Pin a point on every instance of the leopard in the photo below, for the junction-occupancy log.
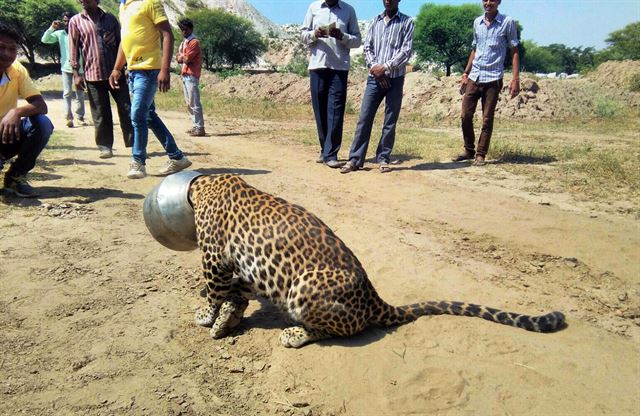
(255, 245)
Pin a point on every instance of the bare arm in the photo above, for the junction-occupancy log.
(467, 69)
(164, 77)
(10, 123)
(116, 73)
(514, 87)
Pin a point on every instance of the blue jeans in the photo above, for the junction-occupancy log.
(68, 95)
(371, 100)
(142, 87)
(328, 98)
(192, 98)
(34, 135)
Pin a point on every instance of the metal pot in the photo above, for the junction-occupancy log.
(168, 213)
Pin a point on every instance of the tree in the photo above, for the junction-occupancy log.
(31, 18)
(226, 39)
(444, 33)
(624, 43)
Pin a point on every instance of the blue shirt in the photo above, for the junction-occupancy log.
(491, 44)
(330, 52)
(390, 43)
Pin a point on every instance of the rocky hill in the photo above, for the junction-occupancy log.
(242, 8)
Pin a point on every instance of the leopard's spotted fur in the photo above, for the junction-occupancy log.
(253, 243)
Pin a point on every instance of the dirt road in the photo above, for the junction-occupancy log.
(96, 318)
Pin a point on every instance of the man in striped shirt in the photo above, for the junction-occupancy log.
(96, 34)
(493, 35)
(387, 49)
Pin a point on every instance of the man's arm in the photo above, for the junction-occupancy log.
(467, 69)
(74, 55)
(403, 54)
(49, 36)
(514, 87)
(308, 35)
(352, 37)
(10, 123)
(164, 77)
(191, 50)
(116, 73)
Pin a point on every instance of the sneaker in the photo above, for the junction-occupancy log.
(19, 186)
(136, 170)
(175, 166)
(195, 132)
(69, 123)
(105, 152)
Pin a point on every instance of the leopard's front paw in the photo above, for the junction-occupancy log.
(229, 316)
(205, 316)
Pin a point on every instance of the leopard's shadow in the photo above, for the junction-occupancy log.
(270, 317)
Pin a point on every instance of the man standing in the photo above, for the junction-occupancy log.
(493, 34)
(24, 130)
(387, 49)
(143, 23)
(97, 34)
(330, 29)
(190, 56)
(58, 33)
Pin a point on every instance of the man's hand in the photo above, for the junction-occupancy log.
(10, 127)
(514, 87)
(164, 80)
(114, 79)
(320, 33)
(179, 58)
(377, 71)
(78, 81)
(336, 33)
(385, 82)
(56, 24)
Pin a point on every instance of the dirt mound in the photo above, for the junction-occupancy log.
(439, 98)
(615, 74)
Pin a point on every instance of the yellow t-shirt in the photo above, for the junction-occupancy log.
(140, 38)
(15, 83)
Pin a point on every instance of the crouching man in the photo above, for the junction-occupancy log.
(24, 130)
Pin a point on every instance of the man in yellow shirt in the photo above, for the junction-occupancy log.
(24, 130)
(143, 22)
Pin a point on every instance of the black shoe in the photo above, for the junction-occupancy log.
(463, 156)
(19, 186)
(334, 164)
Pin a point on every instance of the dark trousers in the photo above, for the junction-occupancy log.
(488, 94)
(328, 98)
(98, 92)
(34, 135)
(373, 96)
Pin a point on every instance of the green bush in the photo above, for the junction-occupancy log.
(606, 108)
(230, 72)
(299, 64)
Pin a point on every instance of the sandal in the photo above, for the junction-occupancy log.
(479, 161)
(385, 167)
(462, 157)
(350, 166)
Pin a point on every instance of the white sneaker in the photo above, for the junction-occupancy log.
(105, 152)
(136, 170)
(175, 166)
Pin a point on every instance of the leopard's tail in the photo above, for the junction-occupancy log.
(396, 315)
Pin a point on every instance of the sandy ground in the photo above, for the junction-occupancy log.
(96, 318)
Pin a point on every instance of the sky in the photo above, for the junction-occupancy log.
(570, 22)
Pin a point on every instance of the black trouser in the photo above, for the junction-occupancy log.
(34, 135)
(98, 92)
(328, 98)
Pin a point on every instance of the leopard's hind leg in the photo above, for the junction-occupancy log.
(297, 336)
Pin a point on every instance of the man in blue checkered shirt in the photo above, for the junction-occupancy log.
(493, 35)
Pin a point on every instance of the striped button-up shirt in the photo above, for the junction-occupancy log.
(330, 52)
(98, 42)
(390, 43)
(491, 44)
